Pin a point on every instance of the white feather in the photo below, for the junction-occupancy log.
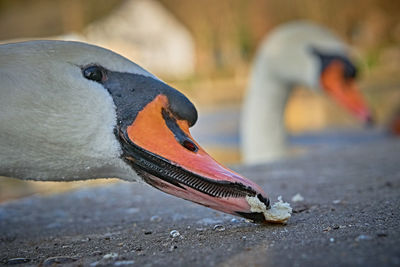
(54, 123)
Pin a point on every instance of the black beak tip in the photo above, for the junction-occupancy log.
(264, 200)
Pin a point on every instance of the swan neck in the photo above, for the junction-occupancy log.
(263, 126)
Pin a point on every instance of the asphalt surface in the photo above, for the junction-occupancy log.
(349, 216)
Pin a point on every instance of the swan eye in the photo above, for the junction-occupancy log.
(94, 73)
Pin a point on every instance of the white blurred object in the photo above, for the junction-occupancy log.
(146, 32)
(297, 198)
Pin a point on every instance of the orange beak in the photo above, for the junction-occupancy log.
(164, 153)
(345, 91)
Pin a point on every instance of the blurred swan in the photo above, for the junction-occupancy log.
(296, 53)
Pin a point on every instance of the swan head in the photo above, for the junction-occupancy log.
(73, 111)
(308, 54)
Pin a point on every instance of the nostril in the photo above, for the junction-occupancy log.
(189, 145)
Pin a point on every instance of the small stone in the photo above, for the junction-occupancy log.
(363, 238)
(174, 233)
(122, 263)
(58, 260)
(96, 253)
(300, 208)
(17, 261)
(155, 218)
(297, 198)
(381, 234)
(219, 228)
(336, 201)
(327, 229)
(331, 239)
(336, 227)
(172, 248)
(234, 220)
(111, 255)
(141, 253)
(107, 236)
(148, 232)
(200, 229)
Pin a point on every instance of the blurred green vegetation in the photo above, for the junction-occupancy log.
(42, 18)
(226, 32)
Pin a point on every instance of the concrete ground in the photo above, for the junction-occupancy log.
(349, 216)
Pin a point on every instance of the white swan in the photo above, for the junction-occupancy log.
(72, 111)
(296, 53)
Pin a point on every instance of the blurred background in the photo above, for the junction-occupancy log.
(205, 49)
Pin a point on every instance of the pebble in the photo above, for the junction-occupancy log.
(336, 201)
(155, 218)
(111, 255)
(174, 233)
(173, 247)
(219, 227)
(122, 263)
(96, 253)
(58, 260)
(17, 261)
(381, 234)
(331, 239)
(363, 237)
(297, 198)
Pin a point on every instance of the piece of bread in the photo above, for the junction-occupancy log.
(279, 212)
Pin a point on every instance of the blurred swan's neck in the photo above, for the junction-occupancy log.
(263, 128)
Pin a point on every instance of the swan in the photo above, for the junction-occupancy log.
(74, 111)
(295, 53)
